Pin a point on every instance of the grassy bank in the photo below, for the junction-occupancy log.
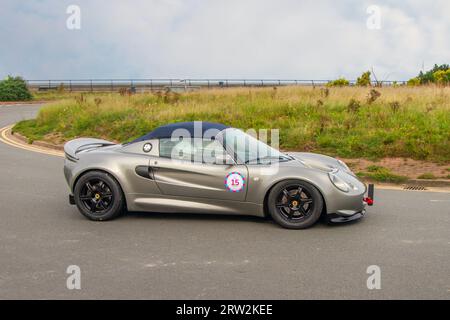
(348, 122)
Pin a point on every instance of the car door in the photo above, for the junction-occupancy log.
(184, 168)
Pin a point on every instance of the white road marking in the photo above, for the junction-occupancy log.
(5, 139)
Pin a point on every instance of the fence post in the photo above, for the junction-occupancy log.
(92, 88)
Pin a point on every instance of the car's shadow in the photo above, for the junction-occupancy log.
(221, 217)
(195, 216)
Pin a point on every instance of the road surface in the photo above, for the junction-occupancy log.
(180, 256)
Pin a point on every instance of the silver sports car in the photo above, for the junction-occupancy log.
(203, 167)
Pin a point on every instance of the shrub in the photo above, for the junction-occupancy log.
(364, 79)
(413, 82)
(427, 175)
(395, 106)
(341, 82)
(325, 92)
(14, 89)
(373, 95)
(442, 77)
(381, 174)
(353, 106)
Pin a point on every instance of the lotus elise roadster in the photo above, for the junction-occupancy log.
(203, 167)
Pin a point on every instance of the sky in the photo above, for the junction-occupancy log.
(268, 39)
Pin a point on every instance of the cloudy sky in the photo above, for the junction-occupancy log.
(288, 39)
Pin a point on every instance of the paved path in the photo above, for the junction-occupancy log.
(407, 234)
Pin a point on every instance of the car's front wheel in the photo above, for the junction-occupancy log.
(98, 196)
(295, 204)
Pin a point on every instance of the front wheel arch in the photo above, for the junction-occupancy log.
(266, 196)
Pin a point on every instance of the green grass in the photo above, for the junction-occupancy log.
(427, 175)
(381, 174)
(418, 127)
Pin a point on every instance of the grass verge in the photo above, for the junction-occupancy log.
(381, 174)
(351, 122)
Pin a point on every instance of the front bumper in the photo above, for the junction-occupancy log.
(351, 215)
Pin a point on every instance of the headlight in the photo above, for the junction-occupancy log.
(338, 182)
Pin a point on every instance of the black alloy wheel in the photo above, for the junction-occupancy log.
(96, 196)
(295, 204)
(99, 196)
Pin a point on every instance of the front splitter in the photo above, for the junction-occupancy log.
(335, 218)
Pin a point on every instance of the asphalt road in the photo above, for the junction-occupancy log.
(179, 256)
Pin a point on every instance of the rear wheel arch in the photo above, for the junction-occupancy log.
(81, 174)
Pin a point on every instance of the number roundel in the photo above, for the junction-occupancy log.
(234, 182)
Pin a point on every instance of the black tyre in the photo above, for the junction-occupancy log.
(98, 196)
(295, 204)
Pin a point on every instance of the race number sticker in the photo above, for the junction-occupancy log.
(234, 182)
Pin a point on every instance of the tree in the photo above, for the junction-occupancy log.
(428, 77)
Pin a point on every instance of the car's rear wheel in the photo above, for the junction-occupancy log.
(98, 196)
(295, 204)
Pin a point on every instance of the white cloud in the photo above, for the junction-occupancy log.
(246, 38)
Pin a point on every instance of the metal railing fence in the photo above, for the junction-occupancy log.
(159, 84)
